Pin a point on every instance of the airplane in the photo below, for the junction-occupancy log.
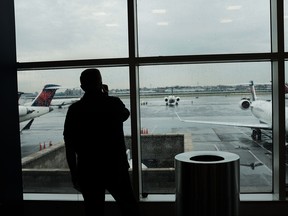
(261, 109)
(39, 106)
(60, 102)
(171, 100)
(63, 102)
(129, 158)
(253, 165)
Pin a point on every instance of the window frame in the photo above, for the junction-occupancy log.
(11, 154)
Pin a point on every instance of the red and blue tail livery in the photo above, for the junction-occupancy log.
(40, 105)
(45, 97)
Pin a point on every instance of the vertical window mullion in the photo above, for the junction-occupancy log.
(134, 92)
(278, 97)
(10, 157)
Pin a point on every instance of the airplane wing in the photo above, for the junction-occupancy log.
(63, 102)
(234, 124)
(27, 126)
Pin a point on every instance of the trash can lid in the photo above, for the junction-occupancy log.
(207, 157)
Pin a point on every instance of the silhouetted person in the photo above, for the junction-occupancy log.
(95, 147)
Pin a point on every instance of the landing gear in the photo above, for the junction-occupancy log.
(256, 134)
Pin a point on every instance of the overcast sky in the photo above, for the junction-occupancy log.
(77, 29)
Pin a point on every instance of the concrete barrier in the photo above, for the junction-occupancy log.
(46, 171)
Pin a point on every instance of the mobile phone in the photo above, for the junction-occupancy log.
(105, 88)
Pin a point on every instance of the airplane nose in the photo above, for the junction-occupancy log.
(50, 109)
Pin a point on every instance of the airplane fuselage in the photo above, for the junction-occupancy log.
(172, 100)
(63, 102)
(262, 110)
(32, 112)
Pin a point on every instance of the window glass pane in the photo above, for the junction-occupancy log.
(215, 93)
(75, 29)
(43, 156)
(285, 24)
(170, 27)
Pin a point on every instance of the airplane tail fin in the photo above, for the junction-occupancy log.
(45, 97)
(253, 92)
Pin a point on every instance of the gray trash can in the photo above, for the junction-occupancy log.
(207, 183)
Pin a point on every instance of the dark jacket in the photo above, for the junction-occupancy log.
(94, 137)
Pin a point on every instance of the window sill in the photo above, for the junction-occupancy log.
(150, 198)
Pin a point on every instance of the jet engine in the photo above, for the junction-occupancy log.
(24, 110)
(172, 100)
(244, 104)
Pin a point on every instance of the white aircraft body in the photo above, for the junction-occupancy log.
(261, 109)
(172, 100)
(129, 158)
(63, 102)
(39, 106)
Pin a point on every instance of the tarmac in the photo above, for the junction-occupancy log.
(157, 118)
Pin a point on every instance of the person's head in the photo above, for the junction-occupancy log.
(91, 80)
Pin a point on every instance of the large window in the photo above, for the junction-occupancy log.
(186, 72)
(201, 107)
(42, 144)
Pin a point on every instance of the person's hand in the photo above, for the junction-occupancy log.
(105, 89)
